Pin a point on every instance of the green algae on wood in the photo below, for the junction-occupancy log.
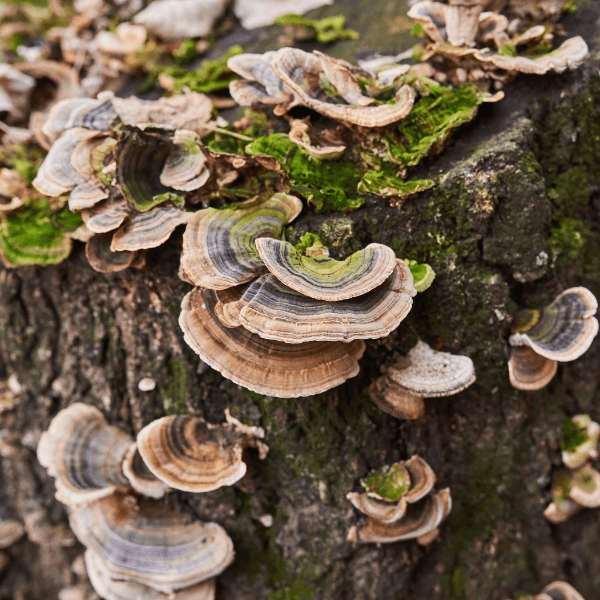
(573, 436)
(383, 183)
(423, 275)
(390, 483)
(31, 236)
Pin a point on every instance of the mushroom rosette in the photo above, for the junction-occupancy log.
(560, 332)
(400, 504)
(423, 373)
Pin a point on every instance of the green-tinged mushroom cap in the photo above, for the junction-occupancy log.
(423, 275)
(324, 278)
(580, 441)
(389, 483)
(31, 236)
(219, 245)
(562, 331)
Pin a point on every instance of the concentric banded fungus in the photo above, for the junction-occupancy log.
(218, 245)
(324, 278)
(142, 480)
(580, 441)
(263, 366)
(150, 543)
(10, 532)
(389, 491)
(114, 589)
(528, 370)
(420, 521)
(84, 454)
(562, 331)
(190, 454)
(423, 373)
(104, 260)
(560, 590)
(185, 168)
(275, 311)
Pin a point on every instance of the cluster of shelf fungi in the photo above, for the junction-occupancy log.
(279, 320)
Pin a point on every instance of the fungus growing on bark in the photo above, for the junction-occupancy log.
(324, 278)
(264, 366)
(389, 491)
(528, 370)
(560, 590)
(423, 275)
(15, 93)
(192, 455)
(258, 13)
(127, 39)
(585, 487)
(562, 331)
(141, 479)
(218, 245)
(275, 311)
(290, 76)
(423, 373)
(299, 134)
(148, 542)
(580, 441)
(117, 589)
(11, 531)
(174, 20)
(83, 454)
(104, 260)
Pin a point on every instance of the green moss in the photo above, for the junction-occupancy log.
(569, 192)
(32, 236)
(507, 50)
(573, 436)
(329, 29)
(328, 185)
(24, 159)
(418, 31)
(391, 483)
(174, 392)
(383, 183)
(211, 76)
(186, 51)
(566, 242)
(423, 275)
(308, 240)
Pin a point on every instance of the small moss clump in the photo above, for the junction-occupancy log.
(308, 240)
(423, 275)
(573, 436)
(328, 185)
(383, 183)
(329, 29)
(391, 483)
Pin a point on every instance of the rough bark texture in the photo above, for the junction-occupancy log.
(513, 220)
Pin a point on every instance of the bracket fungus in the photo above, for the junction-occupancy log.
(148, 542)
(561, 332)
(84, 454)
(141, 479)
(423, 373)
(218, 245)
(290, 76)
(560, 590)
(580, 441)
(400, 504)
(116, 589)
(11, 531)
(190, 454)
(258, 13)
(15, 93)
(264, 366)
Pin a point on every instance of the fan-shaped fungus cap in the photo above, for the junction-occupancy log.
(562, 506)
(423, 275)
(585, 487)
(420, 519)
(11, 531)
(174, 20)
(275, 311)
(192, 455)
(107, 215)
(84, 454)
(114, 589)
(185, 168)
(433, 374)
(393, 400)
(15, 92)
(569, 55)
(299, 135)
(580, 441)
(422, 479)
(142, 480)
(528, 370)
(264, 366)
(562, 331)
(151, 543)
(559, 590)
(149, 229)
(104, 260)
(292, 65)
(258, 13)
(218, 245)
(324, 278)
(378, 510)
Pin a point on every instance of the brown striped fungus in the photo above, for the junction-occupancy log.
(401, 504)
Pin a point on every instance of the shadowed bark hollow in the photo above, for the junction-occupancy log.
(514, 219)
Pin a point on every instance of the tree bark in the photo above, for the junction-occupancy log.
(514, 219)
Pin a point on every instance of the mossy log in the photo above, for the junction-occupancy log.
(513, 219)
